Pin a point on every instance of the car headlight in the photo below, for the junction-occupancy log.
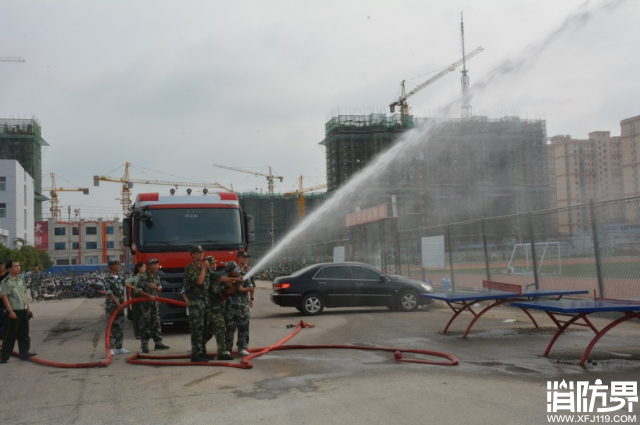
(427, 288)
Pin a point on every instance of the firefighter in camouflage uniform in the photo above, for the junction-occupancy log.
(243, 263)
(236, 309)
(115, 288)
(215, 324)
(196, 286)
(149, 286)
(36, 283)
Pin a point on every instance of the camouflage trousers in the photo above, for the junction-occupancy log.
(236, 316)
(197, 325)
(150, 323)
(117, 329)
(215, 326)
(36, 291)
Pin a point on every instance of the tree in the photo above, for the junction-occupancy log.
(27, 255)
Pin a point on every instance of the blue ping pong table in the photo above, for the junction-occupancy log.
(460, 301)
(578, 310)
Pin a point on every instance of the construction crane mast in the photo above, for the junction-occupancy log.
(53, 191)
(466, 107)
(270, 177)
(302, 206)
(402, 100)
(7, 59)
(127, 184)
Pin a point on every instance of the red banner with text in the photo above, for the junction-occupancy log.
(41, 235)
(379, 212)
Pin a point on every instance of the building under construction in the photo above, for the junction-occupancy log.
(21, 140)
(275, 215)
(351, 141)
(459, 169)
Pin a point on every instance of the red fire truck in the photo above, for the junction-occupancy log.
(164, 227)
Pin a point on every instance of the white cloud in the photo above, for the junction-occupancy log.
(178, 86)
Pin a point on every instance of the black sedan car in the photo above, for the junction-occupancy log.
(350, 284)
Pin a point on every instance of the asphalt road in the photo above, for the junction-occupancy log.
(501, 379)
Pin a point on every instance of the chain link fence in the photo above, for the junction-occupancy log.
(594, 246)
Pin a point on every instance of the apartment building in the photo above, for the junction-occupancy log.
(586, 169)
(629, 141)
(78, 242)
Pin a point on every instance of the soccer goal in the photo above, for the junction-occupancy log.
(547, 257)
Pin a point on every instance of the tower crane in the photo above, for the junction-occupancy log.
(55, 207)
(302, 206)
(402, 100)
(127, 184)
(269, 176)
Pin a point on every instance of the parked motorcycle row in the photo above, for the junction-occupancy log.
(59, 287)
(91, 285)
(270, 273)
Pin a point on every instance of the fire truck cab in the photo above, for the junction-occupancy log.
(165, 227)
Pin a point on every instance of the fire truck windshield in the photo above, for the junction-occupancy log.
(179, 228)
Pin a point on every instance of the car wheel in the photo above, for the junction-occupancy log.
(311, 305)
(408, 301)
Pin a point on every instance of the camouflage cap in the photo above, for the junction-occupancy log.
(111, 262)
(195, 248)
(153, 261)
(244, 254)
(210, 259)
(231, 267)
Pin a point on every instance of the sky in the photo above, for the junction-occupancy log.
(174, 87)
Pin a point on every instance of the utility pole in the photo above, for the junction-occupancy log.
(69, 231)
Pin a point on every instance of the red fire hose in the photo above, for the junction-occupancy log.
(245, 363)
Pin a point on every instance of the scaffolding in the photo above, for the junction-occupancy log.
(462, 170)
(351, 141)
(21, 140)
(274, 215)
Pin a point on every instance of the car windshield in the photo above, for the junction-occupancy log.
(191, 226)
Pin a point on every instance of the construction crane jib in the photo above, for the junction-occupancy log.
(53, 191)
(7, 59)
(127, 184)
(270, 177)
(402, 100)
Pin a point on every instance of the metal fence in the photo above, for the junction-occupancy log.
(594, 246)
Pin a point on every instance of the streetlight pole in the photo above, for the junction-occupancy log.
(272, 242)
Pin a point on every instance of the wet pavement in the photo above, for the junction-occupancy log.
(501, 377)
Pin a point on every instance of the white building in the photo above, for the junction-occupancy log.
(16, 204)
